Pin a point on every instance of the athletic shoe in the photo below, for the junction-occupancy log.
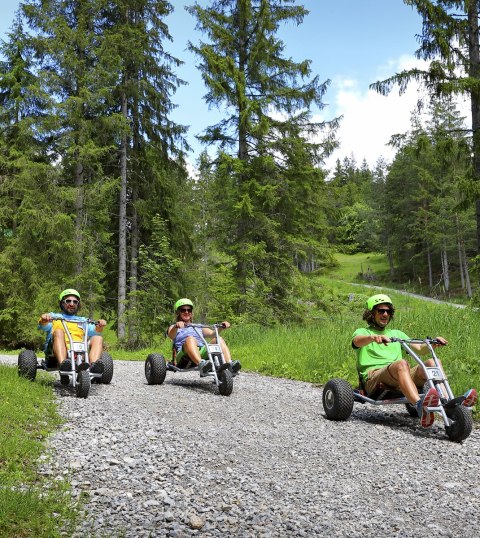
(430, 399)
(66, 366)
(235, 367)
(204, 367)
(471, 397)
(96, 367)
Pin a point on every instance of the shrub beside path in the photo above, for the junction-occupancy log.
(179, 460)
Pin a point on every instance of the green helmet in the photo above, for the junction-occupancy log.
(68, 291)
(378, 299)
(183, 302)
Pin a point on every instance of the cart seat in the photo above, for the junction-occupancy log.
(380, 392)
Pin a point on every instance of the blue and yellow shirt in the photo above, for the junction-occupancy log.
(76, 329)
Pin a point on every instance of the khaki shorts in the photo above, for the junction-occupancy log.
(383, 375)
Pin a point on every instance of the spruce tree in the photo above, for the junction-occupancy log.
(32, 207)
(267, 99)
(142, 82)
(450, 42)
(65, 44)
(427, 231)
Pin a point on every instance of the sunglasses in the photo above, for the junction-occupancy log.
(183, 310)
(383, 310)
(71, 301)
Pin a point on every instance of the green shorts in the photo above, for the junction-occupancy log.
(183, 359)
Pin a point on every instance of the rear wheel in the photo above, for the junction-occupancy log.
(155, 369)
(225, 386)
(107, 361)
(83, 383)
(462, 423)
(27, 364)
(337, 399)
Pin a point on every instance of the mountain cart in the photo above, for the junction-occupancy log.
(156, 367)
(339, 397)
(78, 372)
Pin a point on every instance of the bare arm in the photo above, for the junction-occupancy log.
(423, 348)
(210, 333)
(172, 330)
(100, 325)
(45, 319)
(362, 340)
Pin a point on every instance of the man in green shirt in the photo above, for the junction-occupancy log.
(380, 361)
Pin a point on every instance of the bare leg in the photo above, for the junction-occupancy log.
(59, 346)
(400, 370)
(96, 348)
(225, 350)
(190, 347)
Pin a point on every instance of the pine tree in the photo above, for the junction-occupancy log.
(87, 83)
(262, 138)
(143, 82)
(450, 42)
(65, 44)
(31, 203)
(426, 225)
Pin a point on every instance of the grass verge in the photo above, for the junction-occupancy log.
(30, 504)
(321, 350)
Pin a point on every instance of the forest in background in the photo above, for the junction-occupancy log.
(95, 192)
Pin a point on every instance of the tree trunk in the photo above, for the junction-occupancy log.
(135, 241)
(445, 270)
(390, 261)
(242, 66)
(430, 272)
(460, 264)
(79, 214)
(243, 116)
(122, 231)
(468, 284)
(133, 321)
(474, 72)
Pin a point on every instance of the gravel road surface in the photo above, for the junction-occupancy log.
(180, 460)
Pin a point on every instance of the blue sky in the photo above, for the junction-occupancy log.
(351, 42)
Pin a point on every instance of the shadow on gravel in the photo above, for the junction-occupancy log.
(192, 384)
(398, 421)
(63, 391)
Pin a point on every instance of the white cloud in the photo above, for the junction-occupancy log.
(370, 119)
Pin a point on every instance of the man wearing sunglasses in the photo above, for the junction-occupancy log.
(188, 346)
(380, 361)
(56, 342)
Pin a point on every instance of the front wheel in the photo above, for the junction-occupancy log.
(27, 364)
(83, 384)
(155, 369)
(462, 423)
(225, 385)
(107, 361)
(337, 399)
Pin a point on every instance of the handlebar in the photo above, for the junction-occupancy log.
(86, 320)
(219, 325)
(427, 340)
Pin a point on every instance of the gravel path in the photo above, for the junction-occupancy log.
(161, 460)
